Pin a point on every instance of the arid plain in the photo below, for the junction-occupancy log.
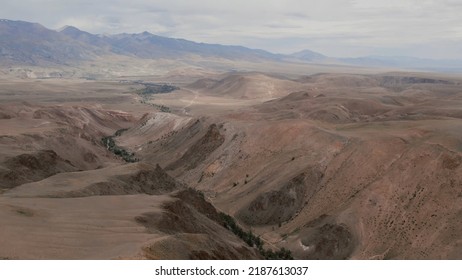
(352, 164)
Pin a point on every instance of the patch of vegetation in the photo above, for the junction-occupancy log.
(151, 88)
(109, 143)
(282, 254)
(198, 192)
(161, 108)
(25, 212)
(120, 131)
(254, 241)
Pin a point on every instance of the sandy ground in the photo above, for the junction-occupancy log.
(83, 228)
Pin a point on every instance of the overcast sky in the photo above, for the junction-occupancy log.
(343, 28)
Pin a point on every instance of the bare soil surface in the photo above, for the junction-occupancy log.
(329, 166)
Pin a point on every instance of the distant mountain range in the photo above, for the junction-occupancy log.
(25, 43)
(33, 44)
(444, 65)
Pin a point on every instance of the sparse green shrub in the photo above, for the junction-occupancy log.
(120, 131)
(282, 254)
(111, 146)
(150, 88)
(254, 241)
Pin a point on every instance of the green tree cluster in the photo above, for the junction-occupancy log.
(254, 241)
